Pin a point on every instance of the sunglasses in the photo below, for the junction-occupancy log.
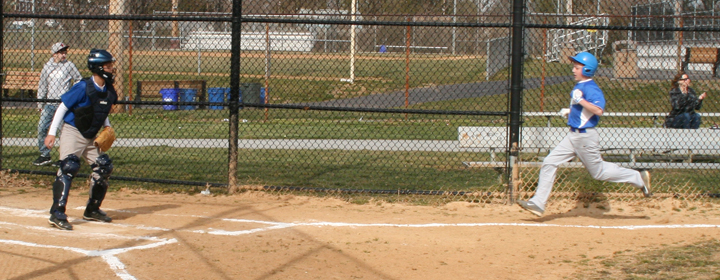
(684, 79)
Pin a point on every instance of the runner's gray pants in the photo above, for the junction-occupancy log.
(585, 146)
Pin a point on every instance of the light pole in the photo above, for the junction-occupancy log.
(454, 28)
(353, 17)
(32, 40)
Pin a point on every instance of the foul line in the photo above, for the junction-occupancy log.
(281, 225)
(277, 225)
(109, 256)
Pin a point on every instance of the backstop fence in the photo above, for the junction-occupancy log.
(395, 99)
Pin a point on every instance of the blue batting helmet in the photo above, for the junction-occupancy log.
(588, 60)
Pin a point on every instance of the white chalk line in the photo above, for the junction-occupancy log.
(282, 225)
(279, 225)
(117, 266)
(109, 256)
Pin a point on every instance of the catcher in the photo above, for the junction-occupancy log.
(85, 108)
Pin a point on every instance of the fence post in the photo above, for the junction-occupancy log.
(2, 72)
(234, 93)
(516, 87)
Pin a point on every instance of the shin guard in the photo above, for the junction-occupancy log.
(102, 168)
(61, 187)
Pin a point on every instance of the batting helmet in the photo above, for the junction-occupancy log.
(588, 60)
(96, 59)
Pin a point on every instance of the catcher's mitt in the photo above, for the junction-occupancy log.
(105, 139)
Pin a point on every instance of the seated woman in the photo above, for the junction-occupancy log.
(684, 103)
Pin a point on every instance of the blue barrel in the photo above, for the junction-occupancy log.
(169, 95)
(188, 95)
(262, 95)
(227, 94)
(217, 94)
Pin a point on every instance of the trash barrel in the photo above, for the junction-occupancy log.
(217, 94)
(188, 95)
(262, 95)
(250, 93)
(227, 95)
(169, 95)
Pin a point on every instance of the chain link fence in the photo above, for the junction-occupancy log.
(397, 101)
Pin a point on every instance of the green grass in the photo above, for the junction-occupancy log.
(213, 124)
(695, 261)
(371, 170)
(294, 79)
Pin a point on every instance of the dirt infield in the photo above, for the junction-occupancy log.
(254, 235)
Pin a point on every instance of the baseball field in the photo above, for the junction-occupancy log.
(257, 235)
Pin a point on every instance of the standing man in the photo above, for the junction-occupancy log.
(586, 106)
(56, 78)
(84, 109)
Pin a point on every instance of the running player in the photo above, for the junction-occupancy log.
(586, 106)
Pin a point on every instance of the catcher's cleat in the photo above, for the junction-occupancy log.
(531, 207)
(61, 224)
(42, 160)
(97, 215)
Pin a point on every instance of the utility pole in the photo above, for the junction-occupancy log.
(679, 34)
(175, 28)
(117, 47)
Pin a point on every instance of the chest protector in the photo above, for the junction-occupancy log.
(90, 119)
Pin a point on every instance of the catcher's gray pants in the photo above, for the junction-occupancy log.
(72, 142)
(586, 146)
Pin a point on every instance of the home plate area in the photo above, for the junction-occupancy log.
(101, 246)
(261, 236)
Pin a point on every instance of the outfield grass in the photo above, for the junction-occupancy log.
(295, 77)
(694, 261)
(371, 170)
(292, 124)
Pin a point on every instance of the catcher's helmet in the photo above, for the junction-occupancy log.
(588, 60)
(96, 59)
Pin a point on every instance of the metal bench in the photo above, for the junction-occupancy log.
(702, 55)
(641, 148)
(421, 48)
(21, 80)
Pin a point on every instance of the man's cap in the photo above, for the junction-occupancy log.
(58, 47)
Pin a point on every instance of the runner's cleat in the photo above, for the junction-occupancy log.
(531, 207)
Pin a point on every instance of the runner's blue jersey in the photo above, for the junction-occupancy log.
(579, 116)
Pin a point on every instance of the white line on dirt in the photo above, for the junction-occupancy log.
(333, 224)
(281, 225)
(107, 255)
